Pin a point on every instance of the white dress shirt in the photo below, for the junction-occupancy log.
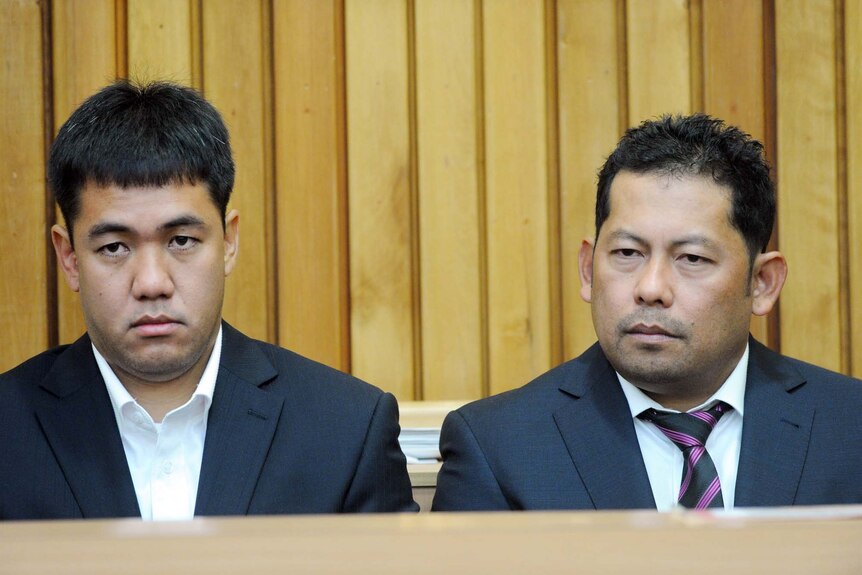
(664, 460)
(164, 458)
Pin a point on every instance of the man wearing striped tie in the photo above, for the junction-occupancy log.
(676, 405)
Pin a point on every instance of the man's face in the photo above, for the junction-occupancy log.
(669, 285)
(150, 265)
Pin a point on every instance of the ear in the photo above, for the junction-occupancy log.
(585, 269)
(66, 256)
(767, 279)
(231, 241)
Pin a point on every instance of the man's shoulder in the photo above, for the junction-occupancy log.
(541, 396)
(301, 373)
(33, 370)
(811, 378)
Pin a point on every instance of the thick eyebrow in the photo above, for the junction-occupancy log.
(692, 239)
(104, 228)
(624, 235)
(695, 240)
(183, 222)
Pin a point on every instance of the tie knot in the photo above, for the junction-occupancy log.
(687, 429)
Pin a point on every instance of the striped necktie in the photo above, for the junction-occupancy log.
(700, 487)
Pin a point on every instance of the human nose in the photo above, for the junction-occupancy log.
(654, 284)
(152, 279)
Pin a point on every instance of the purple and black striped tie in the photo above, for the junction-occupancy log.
(700, 488)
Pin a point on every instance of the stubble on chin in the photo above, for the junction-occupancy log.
(650, 364)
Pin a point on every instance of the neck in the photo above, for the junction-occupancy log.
(679, 403)
(160, 398)
(684, 391)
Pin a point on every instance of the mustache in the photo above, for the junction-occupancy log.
(667, 324)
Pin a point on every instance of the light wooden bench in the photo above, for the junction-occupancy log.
(425, 414)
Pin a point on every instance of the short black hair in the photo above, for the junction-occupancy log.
(699, 145)
(130, 134)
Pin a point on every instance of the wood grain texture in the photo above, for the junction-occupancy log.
(659, 59)
(233, 80)
(552, 166)
(415, 176)
(310, 159)
(517, 192)
(807, 176)
(23, 305)
(853, 117)
(380, 196)
(801, 541)
(449, 224)
(84, 60)
(734, 83)
(589, 129)
(160, 36)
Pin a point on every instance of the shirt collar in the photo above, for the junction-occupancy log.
(120, 396)
(732, 391)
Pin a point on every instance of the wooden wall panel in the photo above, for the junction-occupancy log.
(84, 37)
(517, 192)
(234, 80)
(415, 176)
(450, 223)
(84, 43)
(808, 179)
(310, 170)
(853, 122)
(160, 35)
(735, 77)
(23, 302)
(659, 58)
(380, 195)
(589, 68)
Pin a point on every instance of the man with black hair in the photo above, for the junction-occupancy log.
(676, 405)
(162, 410)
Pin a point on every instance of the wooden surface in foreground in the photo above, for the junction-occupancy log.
(786, 541)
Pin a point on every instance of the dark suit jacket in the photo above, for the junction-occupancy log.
(284, 435)
(567, 441)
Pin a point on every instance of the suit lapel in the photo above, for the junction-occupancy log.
(240, 428)
(597, 428)
(775, 432)
(79, 424)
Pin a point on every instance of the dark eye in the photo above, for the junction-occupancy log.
(183, 242)
(113, 249)
(694, 259)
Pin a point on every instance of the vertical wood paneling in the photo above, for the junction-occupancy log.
(552, 165)
(23, 303)
(517, 192)
(734, 76)
(84, 60)
(380, 195)
(659, 62)
(853, 87)
(84, 51)
(233, 80)
(589, 129)
(310, 175)
(808, 180)
(398, 162)
(695, 54)
(449, 224)
(160, 36)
